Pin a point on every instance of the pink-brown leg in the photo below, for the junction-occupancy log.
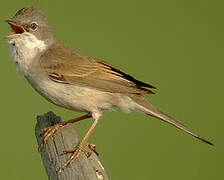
(80, 147)
(47, 133)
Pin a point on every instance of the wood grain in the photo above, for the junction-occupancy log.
(84, 168)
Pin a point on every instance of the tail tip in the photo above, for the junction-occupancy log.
(206, 141)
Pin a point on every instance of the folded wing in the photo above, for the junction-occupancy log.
(64, 65)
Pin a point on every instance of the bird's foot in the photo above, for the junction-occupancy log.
(47, 133)
(75, 154)
(90, 150)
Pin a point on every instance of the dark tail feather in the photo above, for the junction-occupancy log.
(146, 107)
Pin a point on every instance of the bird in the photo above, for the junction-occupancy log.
(75, 81)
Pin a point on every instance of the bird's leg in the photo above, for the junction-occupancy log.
(80, 147)
(48, 132)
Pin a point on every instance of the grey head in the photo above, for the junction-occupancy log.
(33, 21)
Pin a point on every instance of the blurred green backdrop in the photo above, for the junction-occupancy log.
(176, 46)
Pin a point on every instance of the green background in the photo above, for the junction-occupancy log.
(176, 46)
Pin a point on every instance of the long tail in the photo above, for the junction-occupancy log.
(149, 109)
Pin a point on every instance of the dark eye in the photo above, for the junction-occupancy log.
(34, 26)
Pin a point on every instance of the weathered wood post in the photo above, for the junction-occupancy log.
(84, 168)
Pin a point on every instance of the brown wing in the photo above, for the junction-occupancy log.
(67, 66)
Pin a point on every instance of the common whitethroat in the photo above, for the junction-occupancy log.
(72, 80)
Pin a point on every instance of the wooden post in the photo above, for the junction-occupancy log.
(84, 168)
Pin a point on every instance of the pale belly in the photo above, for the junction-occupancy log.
(73, 97)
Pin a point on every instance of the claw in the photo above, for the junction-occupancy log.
(92, 148)
(47, 133)
(75, 154)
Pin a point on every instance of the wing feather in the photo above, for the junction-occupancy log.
(64, 65)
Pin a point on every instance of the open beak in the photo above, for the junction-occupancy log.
(16, 29)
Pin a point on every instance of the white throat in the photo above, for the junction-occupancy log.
(24, 48)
